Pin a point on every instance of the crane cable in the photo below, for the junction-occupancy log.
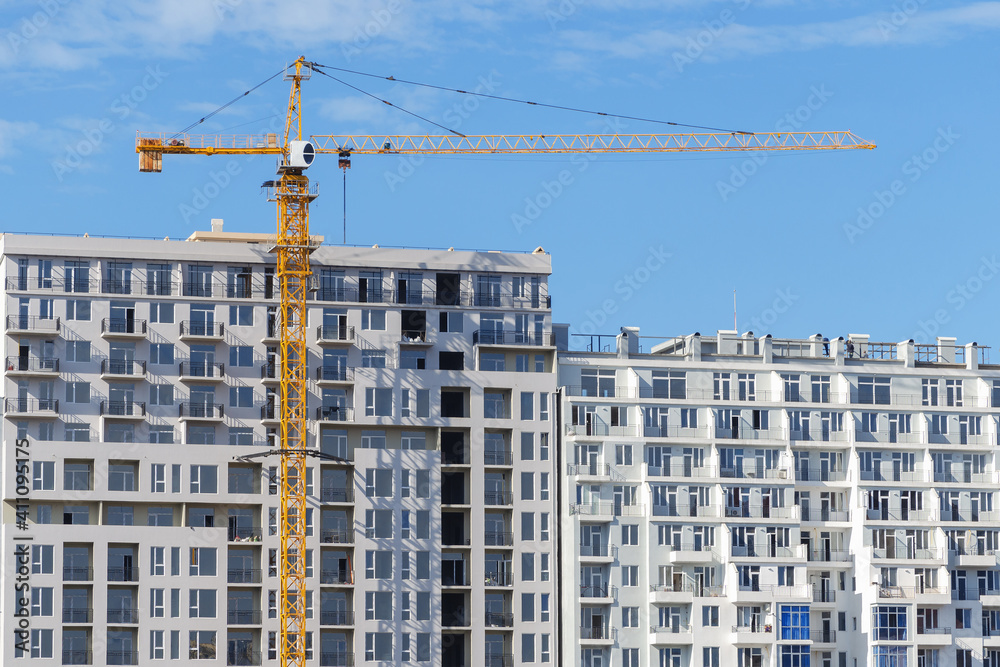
(387, 102)
(519, 101)
(229, 103)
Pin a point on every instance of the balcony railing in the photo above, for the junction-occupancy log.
(606, 509)
(595, 632)
(123, 574)
(498, 498)
(598, 591)
(336, 577)
(828, 556)
(334, 413)
(123, 616)
(244, 533)
(335, 374)
(530, 338)
(239, 656)
(498, 619)
(201, 410)
(820, 475)
(33, 364)
(74, 657)
(123, 409)
(243, 617)
(494, 457)
(32, 324)
(71, 573)
(244, 576)
(823, 637)
(904, 553)
(202, 369)
(123, 368)
(334, 333)
(204, 329)
(336, 659)
(499, 578)
(492, 538)
(337, 617)
(337, 536)
(921, 630)
(27, 406)
(123, 657)
(820, 514)
(336, 494)
(70, 615)
(827, 595)
(498, 660)
(122, 325)
(594, 550)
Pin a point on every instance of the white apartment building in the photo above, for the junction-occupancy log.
(137, 373)
(751, 502)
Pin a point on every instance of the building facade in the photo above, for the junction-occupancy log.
(731, 500)
(140, 374)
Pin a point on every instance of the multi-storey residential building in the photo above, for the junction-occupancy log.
(139, 373)
(732, 500)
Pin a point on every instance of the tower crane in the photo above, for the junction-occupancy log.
(294, 245)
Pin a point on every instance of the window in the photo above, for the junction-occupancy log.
(241, 397)
(710, 656)
(201, 645)
(78, 309)
(120, 515)
(544, 611)
(413, 359)
(527, 648)
(492, 361)
(156, 644)
(161, 312)
(423, 484)
(378, 646)
(161, 394)
(963, 618)
(78, 350)
(630, 657)
(796, 655)
(527, 486)
(378, 524)
(630, 534)
(710, 616)
(378, 482)
(161, 433)
(963, 657)
(527, 526)
(156, 606)
(630, 617)
(451, 322)
(378, 606)
(527, 405)
(41, 601)
(373, 320)
(203, 561)
(527, 567)
(528, 607)
(889, 623)
(241, 356)
(623, 455)
(373, 358)
(873, 390)
(121, 476)
(240, 435)
(159, 516)
(41, 558)
(161, 353)
(43, 476)
(76, 476)
(378, 565)
(241, 316)
(204, 479)
(41, 644)
(630, 575)
(156, 560)
(78, 392)
(451, 361)
(201, 603)
(423, 564)
(543, 527)
(543, 486)
(378, 402)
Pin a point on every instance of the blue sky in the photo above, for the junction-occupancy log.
(899, 242)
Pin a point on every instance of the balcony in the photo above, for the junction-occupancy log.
(498, 458)
(824, 596)
(513, 338)
(498, 498)
(200, 411)
(336, 659)
(597, 430)
(336, 577)
(931, 595)
(239, 656)
(29, 366)
(202, 331)
(597, 552)
(123, 409)
(498, 619)
(498, 660)
(244, 533)
(244, 576)
(768, 551)
(123, 616)
(334, 335)
(823, 637)
(969, 515)
(756, 473)
(685, 510)
(606, 509)
(123, 657)
(826, 515)
(905, 553)
(672, 635)
(336, 617)
(334, 374)
(243, 617)
(32, 325)
(748, 511)
(681, 592)
(502, 578)
(24, 408)
(116, 368)
(493, 538)
(681, 470)
(123, 574)
(769, 592)
(78, 573)
(114, 327)
(202, 289)
(77, 615)
(414, 338)
(700, 554)
(202, 371)
(270, 372)
(820, 475)
(962, 477)
(755, 633)
(599, 594)
(598, 633)
(337, 536)
(336, 494)
(334, 413)
(939, 637)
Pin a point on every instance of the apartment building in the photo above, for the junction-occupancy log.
(732, 500)
(140, 374)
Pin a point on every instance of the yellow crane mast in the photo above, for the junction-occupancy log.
(294, 245)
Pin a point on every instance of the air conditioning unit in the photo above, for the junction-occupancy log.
(782, 474)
